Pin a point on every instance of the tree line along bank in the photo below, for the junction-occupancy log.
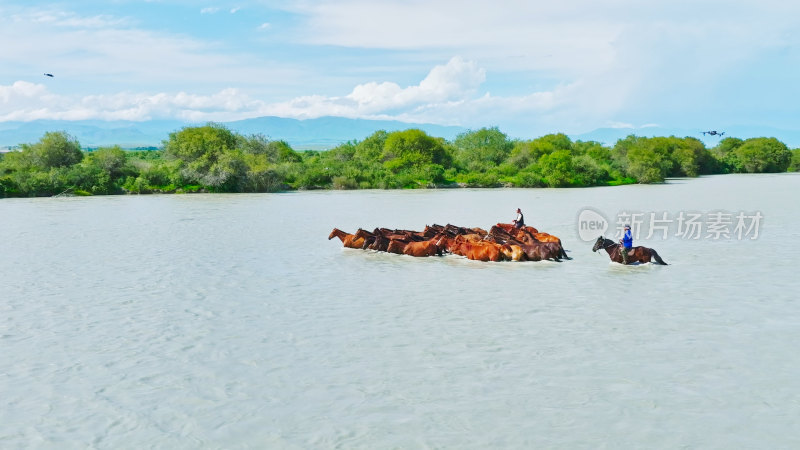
(212, 158)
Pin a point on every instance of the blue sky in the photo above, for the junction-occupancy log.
(528, 67)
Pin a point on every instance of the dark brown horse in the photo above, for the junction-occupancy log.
(637, 254)
(368, 237)
(381, 244)
(542, 251)
(432, 231)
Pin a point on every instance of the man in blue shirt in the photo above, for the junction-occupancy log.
(626, 244)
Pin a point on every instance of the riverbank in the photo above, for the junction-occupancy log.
(211, 158)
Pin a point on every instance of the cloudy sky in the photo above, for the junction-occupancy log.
(528, 67)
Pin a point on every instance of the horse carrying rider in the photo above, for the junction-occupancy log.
(519, 222)
(626, 244)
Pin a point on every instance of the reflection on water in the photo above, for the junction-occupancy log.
(230, 321)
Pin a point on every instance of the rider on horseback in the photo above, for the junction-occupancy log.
(626, 244)
(519, 222)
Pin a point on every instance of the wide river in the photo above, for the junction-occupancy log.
(230, 321)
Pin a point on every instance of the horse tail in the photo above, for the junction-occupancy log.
(658, 258)
(563, 253)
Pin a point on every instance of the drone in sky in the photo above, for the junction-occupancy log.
(714, 133)
(49, 75)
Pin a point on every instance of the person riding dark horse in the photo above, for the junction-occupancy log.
(626, 243)
(519, 222)
(640, 255)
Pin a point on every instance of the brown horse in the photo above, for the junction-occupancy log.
(637, 254)
(510, 226)
(348, 240)
(396, 246)
(430, 247)
(529, 235)
(513, 252)
(534, 249)
(474, 249)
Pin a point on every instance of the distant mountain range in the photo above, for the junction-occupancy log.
(323, 132)
(320, 133)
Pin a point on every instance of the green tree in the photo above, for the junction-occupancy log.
(593, 149)
(619, 153)
(201, 145)
(691, 157)
(725, 154)
(54, 149)
(112, 160)
(556, 168)
(84, 178)
(209, 156)
(370, 149)
(648, 162)
(482, 149)
(589, 172)
(651, 160)
(526, 153)
(413, 148)
(795, 165)
(760, 155)
(14, 161)
(274, 151)
(7, 187)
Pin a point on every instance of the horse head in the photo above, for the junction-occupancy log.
(598, 244)
(334, 233)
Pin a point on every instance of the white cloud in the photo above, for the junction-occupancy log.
(449, 94)
(621, 125)
(265, 26)
(235, 10)
(27, 101)
(209, 10)
(455, 81)
(66, 19)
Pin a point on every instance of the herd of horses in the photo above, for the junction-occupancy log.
(503, 242)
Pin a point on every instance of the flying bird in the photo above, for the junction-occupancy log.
(713, 133)
(49, 75)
